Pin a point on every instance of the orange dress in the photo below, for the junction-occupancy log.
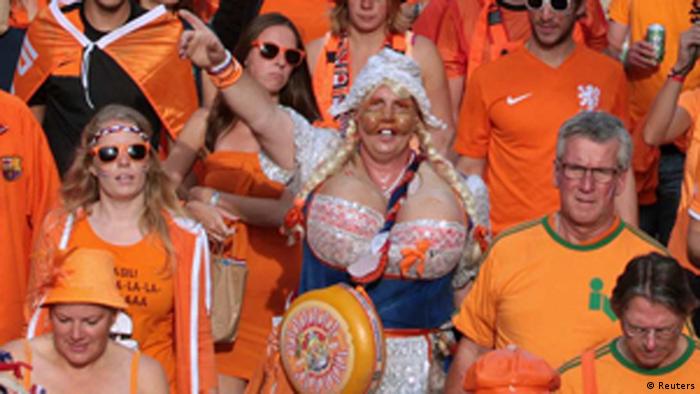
(273, 267)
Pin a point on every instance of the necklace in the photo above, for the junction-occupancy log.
(385, 182)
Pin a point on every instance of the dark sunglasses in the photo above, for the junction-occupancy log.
(109, 153)
(269, 51)
(556, 5)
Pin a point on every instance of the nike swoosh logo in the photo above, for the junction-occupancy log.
(514, 100)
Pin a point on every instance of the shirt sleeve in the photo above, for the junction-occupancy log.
(474, 131)
(450, 43)
(619, 11)
(594, 26)
(477, 314)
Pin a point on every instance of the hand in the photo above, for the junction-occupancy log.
(201, 194)
(641, 58)
(211, 218)
(687, 49)
(200, 44)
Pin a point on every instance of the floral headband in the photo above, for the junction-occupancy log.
(115, 129)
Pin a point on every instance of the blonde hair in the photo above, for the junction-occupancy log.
(345, 152)
(340, 17)
(81, 188)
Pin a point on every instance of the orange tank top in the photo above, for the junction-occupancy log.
(145, 281)
(332, 74)
(133, 371)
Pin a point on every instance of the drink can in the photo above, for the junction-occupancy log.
(656, 36)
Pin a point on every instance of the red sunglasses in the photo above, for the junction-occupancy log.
(269, 50)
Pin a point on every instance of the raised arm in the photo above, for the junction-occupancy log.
(272, 127)
(666, 120)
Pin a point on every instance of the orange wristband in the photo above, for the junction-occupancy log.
(228, 75)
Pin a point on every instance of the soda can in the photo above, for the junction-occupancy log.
(656, 36)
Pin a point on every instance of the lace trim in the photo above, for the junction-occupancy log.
(274, 172)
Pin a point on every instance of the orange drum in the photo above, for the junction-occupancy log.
(331, 341)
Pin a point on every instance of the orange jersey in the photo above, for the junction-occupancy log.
(513, 123)
(145, 282)
(546, 295)
(466, 40)
(615, 374)
(28, 187)
(430, 19)
(145, 48)
(637, 15)
(678, 242)
(273, 267)
(190, 287)
(311, 17)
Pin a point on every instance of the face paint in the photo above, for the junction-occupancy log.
(389, 117)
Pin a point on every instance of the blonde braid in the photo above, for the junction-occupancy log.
(472, 250)
(330, 166)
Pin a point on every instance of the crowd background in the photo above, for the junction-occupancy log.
(92, 87)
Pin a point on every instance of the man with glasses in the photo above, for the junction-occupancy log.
(652, 300)
(514, 105)
(544, 285)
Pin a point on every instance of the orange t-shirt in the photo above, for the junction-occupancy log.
(145, 281)
(546, 295)
(674, 15)
(430, 20)
(311, 17)
(615, 374)
(678, 242)
(461, 20)
(28, 189)
(513, 123)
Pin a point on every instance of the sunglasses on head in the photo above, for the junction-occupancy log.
(109, 153)
(269, 51)
(556, 5)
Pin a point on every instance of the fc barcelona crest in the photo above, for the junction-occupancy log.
(11, 167)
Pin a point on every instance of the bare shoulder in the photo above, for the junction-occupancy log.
(152, 378)
(313, 49)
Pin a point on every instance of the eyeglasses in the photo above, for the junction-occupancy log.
(577, 172)
(269, 51)
(109, 153)
(633, 331)
(556, 5)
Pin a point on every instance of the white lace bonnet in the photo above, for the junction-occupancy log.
(392, 68)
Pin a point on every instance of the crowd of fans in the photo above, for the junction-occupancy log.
(502, 193)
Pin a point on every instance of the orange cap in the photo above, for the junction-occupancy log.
(510, 370)
(85, 276)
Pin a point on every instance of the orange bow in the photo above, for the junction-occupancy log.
(481, 236)
(414, 256)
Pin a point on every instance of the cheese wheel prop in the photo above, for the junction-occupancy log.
(331, 341)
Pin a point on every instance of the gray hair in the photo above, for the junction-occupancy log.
(599, 127)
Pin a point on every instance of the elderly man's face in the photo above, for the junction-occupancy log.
(588, 179)
(652, 334)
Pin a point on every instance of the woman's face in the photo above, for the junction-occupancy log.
(274, 73)
(368, 15)
(122, 177)
(386, 123)
(81, 331)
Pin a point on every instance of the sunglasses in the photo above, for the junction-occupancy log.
(109, 153)
(269, 51)
(556, 5)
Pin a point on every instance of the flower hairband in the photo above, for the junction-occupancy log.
(115, 129)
